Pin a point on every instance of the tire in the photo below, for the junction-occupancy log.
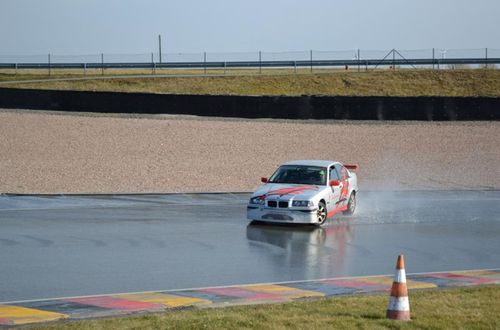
(351, 205)
(321, 213)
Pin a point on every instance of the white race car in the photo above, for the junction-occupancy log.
(305, 192)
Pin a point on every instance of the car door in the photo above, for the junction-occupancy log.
(333, 201)
(344, 184)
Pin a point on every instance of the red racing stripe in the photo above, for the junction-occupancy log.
(333, 212)
(291, 191)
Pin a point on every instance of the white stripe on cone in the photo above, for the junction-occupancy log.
(401, 304)
(400, 276)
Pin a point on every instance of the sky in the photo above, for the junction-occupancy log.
(69, 27)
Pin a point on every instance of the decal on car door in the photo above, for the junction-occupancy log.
(345, 185)
(334, 193)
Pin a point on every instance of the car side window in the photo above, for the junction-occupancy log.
(333, 174)
(342, 171)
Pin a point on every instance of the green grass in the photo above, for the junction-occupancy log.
(462, 308)
(405, 82)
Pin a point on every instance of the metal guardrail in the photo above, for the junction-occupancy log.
(256, 64)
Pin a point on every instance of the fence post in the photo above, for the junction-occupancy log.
(205, 62)
(486, 62)
(393, 59)
(224, 67)
(260, 61)
(102, 64)
(84, 69)
(295, 66)
(49, 64)
(359, 60)
(311, 59)
(433, 59)
(152, 64)
(16, 68)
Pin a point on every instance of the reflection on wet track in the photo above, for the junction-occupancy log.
(81, 245)
(300, 248)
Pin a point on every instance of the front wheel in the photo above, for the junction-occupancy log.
(351, 205)
(321, 213)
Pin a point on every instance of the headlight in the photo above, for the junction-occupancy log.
(257, 200)
(302, 203)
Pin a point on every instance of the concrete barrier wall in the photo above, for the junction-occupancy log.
(286, 107)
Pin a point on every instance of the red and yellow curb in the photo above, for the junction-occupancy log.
(75, 308)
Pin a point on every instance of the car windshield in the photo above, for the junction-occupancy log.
(298, 174)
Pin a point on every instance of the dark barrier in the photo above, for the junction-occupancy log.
(287, 107)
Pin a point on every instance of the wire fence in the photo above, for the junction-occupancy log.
(258, 59)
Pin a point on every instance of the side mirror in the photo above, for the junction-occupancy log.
(334, 183)
(263, 180)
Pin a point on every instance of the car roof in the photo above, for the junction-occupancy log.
(322, 163)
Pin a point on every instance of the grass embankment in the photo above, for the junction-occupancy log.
(326, 82)
(463, 308)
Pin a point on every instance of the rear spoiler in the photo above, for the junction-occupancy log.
(352, 167)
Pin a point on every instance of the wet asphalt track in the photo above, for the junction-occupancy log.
(85, 245)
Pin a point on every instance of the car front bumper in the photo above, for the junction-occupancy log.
(277, 215)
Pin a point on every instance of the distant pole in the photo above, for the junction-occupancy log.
(224, 67)
(295, 66)
(205, 62)
(16, 68)
(49, 64)
(159, 46)
(260, 61)
(311, 59)
(84, 69)
(102, 64)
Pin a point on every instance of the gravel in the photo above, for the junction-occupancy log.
(45, 152)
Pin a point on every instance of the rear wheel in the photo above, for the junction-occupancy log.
(321, 213)
(351, 205)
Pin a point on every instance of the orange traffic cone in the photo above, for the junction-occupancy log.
(399, 305)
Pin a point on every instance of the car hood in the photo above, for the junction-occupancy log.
(292, 190)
